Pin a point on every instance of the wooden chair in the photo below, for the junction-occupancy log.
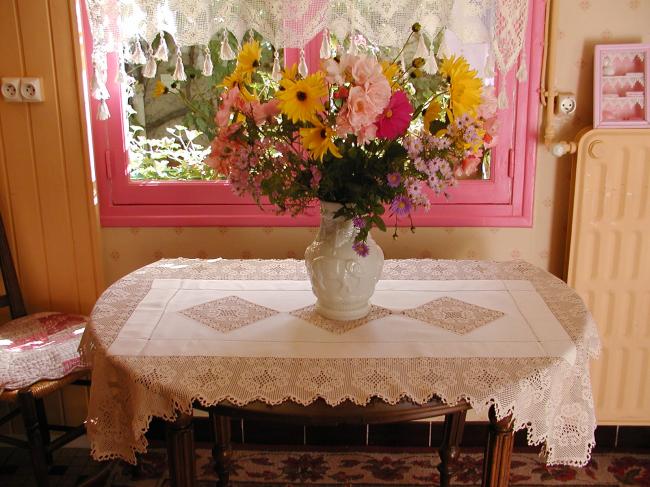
(28, 401)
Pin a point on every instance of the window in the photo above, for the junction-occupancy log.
(132, 191)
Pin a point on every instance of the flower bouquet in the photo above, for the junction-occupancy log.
(364, 135)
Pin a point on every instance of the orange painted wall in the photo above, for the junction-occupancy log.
(45, 184)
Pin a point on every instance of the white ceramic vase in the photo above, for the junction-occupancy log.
(342, 280)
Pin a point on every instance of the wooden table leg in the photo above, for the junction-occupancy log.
(222, 449)
(450, 449)
(498, 451)
(180, 452)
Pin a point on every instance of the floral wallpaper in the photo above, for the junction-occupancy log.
(582, 24)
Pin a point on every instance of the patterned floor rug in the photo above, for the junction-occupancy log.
(259, 468)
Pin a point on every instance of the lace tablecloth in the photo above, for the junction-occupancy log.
(183, 330)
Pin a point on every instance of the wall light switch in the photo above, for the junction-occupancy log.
(30, 89)
(10, 88)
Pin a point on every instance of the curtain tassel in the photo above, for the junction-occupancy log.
(354, 48)
(207, 62)
(179, 72)
(121, 77)
(226, 53)
(103, 113)
(276, 74)
(421, 50)
(502, 100)
(302, 65)
(443, 50)
(522, 72)
(138, 56)
(98, 85)
(326, 46)
(162, 53)
(149, 70)
(431, 66)
(489, 67)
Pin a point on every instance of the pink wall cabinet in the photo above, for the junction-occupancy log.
(622, 85)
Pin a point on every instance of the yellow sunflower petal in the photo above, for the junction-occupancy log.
(465, 86)
(318, 140)
(248, 59)
(301, 100)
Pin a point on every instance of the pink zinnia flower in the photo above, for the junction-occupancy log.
(396, 117)
(401, 205)
(394, 179)
(361, 248)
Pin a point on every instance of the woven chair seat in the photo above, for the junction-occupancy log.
(40, 350)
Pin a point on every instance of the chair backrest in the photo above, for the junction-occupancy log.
(13, 298)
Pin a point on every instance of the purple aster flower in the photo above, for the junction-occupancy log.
(361, 248)
(401, 205)
(359, 222)
(394, 179)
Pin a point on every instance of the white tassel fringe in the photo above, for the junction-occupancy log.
(207, 62)
(226, 53)
(489, 67)
(421, 50)
(103, 113)
(138, 57)
(431, 66)
(354, 48)
(162, 53)
(522, 72)
(149, 70)
(502, 100)
(179, 72)
(302, 65)
(326, 46)
(276, 73)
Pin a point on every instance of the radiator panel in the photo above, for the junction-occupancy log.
(609, 266)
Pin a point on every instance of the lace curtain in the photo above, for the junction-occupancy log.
(129, 27)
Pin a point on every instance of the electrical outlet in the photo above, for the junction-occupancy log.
(30, 89)
(11, 89)
(565, 104)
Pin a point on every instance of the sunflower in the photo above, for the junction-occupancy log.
(248, 59)
(301, 100)
(235, 78)
(318, 140)
(160, 89)
(431, 113)
(464, 86)
(391, 71)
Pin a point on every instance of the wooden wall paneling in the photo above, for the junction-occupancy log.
(46, 129)
(24, 211)
(77, 164)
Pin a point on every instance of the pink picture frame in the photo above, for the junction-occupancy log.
(622, 86)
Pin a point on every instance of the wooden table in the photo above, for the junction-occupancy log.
(496, 463)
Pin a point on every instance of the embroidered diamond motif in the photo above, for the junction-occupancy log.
(228, 314)
(454, 315)
(335, 326)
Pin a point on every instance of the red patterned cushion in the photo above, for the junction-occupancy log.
(39, 346)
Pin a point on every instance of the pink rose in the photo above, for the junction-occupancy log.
(364, 69)
(361, 109)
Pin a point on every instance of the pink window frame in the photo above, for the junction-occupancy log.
(505, 200)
